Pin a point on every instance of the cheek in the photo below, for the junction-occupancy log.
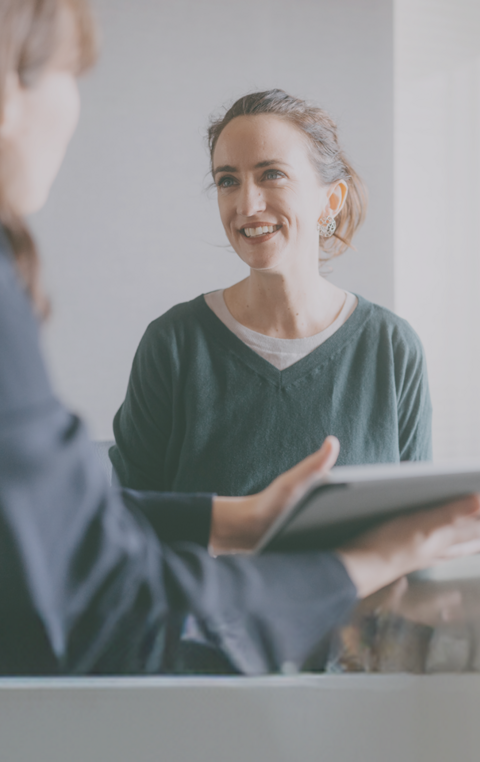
(33, 149)
(225, 210)
(53, 117)
(58, 117)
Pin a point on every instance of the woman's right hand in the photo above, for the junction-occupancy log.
(413, 542)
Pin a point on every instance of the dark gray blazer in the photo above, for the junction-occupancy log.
(98, 581)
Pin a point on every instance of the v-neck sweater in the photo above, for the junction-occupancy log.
(205, 413)
(278, 351)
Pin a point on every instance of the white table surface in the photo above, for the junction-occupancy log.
(349, 718)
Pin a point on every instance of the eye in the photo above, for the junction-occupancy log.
(226, 181)
(273, 174)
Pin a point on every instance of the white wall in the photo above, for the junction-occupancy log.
(129, 230)
(437, 206)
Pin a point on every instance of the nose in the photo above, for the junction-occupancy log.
(250, 199)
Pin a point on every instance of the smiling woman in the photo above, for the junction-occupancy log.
(89, 582)
(229, 390)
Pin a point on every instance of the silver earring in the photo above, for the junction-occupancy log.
(326, 228)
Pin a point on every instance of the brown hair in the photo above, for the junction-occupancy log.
(328, 158)
(28, 42)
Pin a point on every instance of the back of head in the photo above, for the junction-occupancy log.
(329, 160)
(29, 39)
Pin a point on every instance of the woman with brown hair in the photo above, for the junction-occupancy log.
(89, 581)
(232, 388)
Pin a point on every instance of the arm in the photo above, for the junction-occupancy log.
(413, 394)
(177, 517)
(143, 423)
(86, 585)
(95, 591)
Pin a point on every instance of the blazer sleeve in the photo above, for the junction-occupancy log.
(174, 517)
(86, 583)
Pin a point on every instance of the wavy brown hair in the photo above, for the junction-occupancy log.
(328, 158)
(28, 42)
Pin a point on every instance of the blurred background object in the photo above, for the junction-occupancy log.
(419, 626)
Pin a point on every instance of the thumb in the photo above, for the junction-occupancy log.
(319, 462)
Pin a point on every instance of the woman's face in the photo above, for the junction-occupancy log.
(36, 127)
(269, 195)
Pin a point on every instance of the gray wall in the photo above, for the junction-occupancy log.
(437, 202)
(129, 229)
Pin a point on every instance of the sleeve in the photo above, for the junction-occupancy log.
(413, 397)
(174, 517)
(143, 424)
(86, 585)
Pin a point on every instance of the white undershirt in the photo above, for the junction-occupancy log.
(279, 352)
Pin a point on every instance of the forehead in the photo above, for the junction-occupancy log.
(248, 140)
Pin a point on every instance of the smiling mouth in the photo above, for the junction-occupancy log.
(259, 231)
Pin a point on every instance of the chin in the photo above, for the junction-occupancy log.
(262, 263)
(259, 260)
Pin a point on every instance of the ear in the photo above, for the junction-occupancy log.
(12, 107)
(337, 195)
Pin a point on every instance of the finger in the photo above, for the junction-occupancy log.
(445, 515)
(461, 537)
(468, 548)
(467, 506)
(319, 462)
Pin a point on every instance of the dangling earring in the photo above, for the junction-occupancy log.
(326, 228)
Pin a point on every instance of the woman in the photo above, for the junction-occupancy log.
(231, 389)
(88, 581)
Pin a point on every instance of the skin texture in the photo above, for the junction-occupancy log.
(37, 125)
(284, 295)
(411, 543)
(35, 128)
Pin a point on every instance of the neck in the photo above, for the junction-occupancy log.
(287, 305)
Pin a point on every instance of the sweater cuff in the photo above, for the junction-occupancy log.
(174, 517)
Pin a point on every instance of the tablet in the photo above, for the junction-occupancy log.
(349, 500)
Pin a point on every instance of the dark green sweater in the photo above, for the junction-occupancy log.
(205, 413)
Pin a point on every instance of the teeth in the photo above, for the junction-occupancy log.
(252, 232)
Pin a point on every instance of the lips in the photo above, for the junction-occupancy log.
(259, 231)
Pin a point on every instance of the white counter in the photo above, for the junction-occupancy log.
(351, 718)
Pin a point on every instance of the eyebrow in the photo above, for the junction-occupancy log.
(260, 165)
